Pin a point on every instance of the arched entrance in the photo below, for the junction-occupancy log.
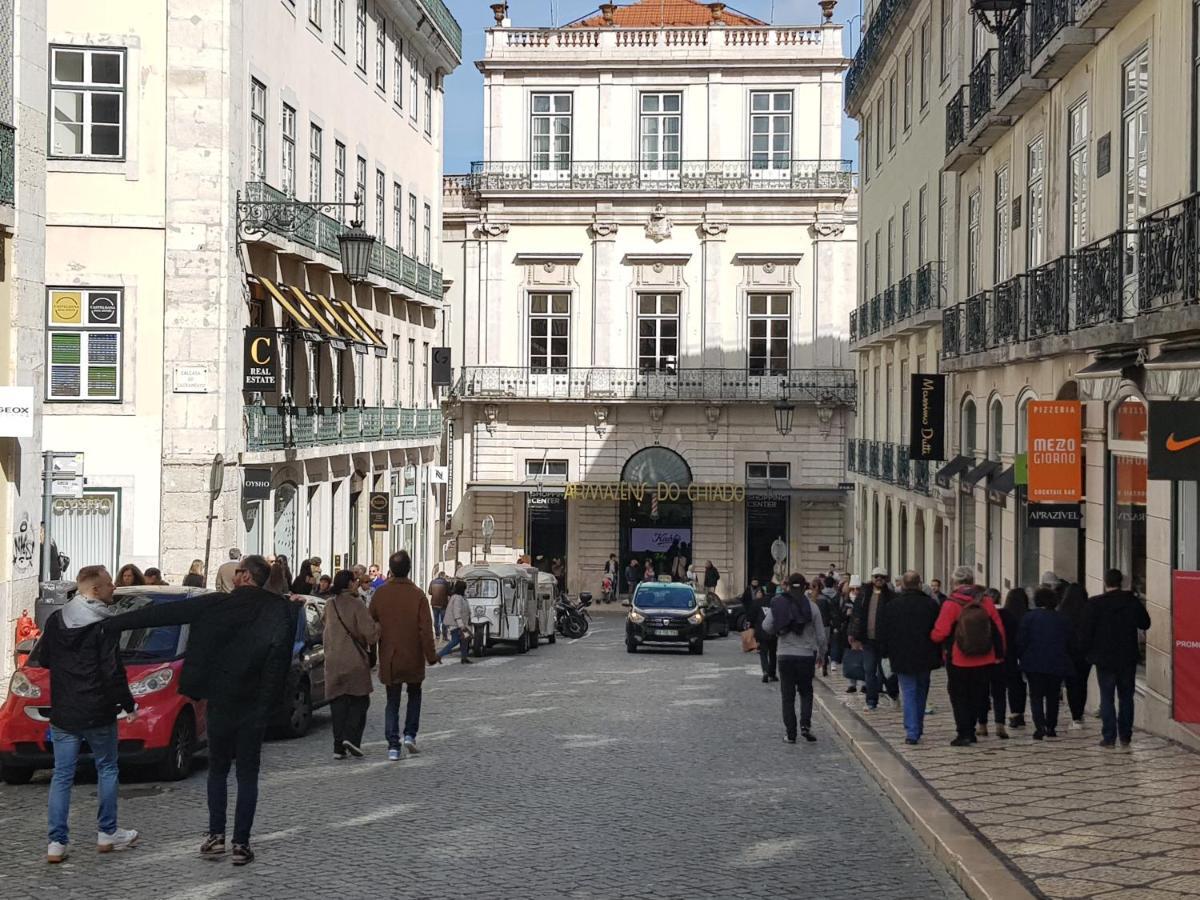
(658, 526)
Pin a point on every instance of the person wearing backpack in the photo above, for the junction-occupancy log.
(795, 621)
(970, 617)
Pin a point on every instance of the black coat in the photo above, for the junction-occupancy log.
(860, 615)
(239, 647)
(1012, 625)
(756, 611)
(902, 633)
(1110, 626)
(1043, 643)
(87, 680)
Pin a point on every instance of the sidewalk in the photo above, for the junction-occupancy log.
(1076, 819)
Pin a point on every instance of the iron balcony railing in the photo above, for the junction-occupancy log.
(887, 461)
(914, 293)
(876, 316)
(853, 325)
(281, 428)
(1012, 61)
(887, 457)
(770, 173)
(1047, 18)
(975, 331)
(883, 23)
(873, 454)
(825, 386)
(904, 298)
(902, 465)
(951, 325)
(956, 119)
(851, 455)
(888, 306)
(8, 158)
(1047, 290)
(920, 479)
(983, 77)
(1168, 256)
(929, 286)
(319, 232)
(1098, 280)
(1008, 299)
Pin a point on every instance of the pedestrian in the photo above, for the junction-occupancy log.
(405, 647)
(87, 689)
(305, 581)
(795, 622)
(439, 597)
(287, 572)
(350, 633)
(863, 636)
(768, 647)
(238, 653)
(611, 575)
(324, 586)
(278, 582)
(458, 615)
(971, 619)
(1073, 605)
(935, 591)
(559, 570)
(377, 579)
(997, 684)
(362, 583)
(904, 632)
(154, 577)
(633, 575)
(1016, 605)
(224, 582)
(711, 577)
(1043, 647)
(130, 575)
(1110, 642)
(314, 564)
(195, 575)
(816, 593)
(847, 600)
(648, 573)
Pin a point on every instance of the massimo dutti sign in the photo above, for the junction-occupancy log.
(927, 417)
(260, 361)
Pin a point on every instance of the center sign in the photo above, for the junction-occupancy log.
(663, 490)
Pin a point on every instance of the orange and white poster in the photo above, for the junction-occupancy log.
(1055, 451)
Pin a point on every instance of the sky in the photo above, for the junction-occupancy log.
(464, 87)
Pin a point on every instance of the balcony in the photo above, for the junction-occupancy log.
(983, 80)
(975, 330)
(8, 148)
(903, 467)
(444, 20)
(830, 387)
(888, 462)
(905, 306)
(929, 286)
(888, 14)
(770, 175)
(1098, 280)
(1046, 298)
(284, 428)
(887, 458)
(887, 314)
(951, 323)
(1056, 43)
(1016, 89)
(851, 455)
(1008, 299)
(873, 454)
(904, 298)
(959, 153)
(1168, 256)
(853, 325)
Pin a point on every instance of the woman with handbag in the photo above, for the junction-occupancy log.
(350, 633)
(458, 617)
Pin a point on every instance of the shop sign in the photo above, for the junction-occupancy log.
(260, 369)
(1055, 515)
(16, 411)
(1185, 632)
(1173, 441)
(377, 510)
(927, 417)
(101, 506)
(256, 484)
(441, 373)
(662, 491)
(657, 540)
(1055, 460)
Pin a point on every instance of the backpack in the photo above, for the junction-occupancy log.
(973, 634)
(801, 614)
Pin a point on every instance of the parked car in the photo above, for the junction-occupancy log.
(718, 617)
(304, 691)
(665, 613)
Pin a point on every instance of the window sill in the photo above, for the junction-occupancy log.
(85, 164)
(88, 407)
(315, 30)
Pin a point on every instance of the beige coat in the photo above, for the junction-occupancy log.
(347, 671)
(406, 632)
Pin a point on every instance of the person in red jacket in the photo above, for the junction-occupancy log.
(970, 618)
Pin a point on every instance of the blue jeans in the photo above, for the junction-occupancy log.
(1112, 723)
(439, 621)
(103, 742)
(456, 640)
(873, 663)
(391, 714)
(234, 733)
(915, 691)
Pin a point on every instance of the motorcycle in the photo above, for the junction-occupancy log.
(571, 620)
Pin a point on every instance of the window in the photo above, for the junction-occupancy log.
(926, 62)
(891, 251)
(428, 102)
(660, 127)
(398, 70)
(770, 318)
(549, 332)
(879, 120)
(360, 34)
(876, 267)
(314, 163)
(428, 254)
(1035, 204)
(87, 93)
(905, 387)
(380, 49)
(360, 186)
(771, 130)
(397, 216)
(339, 23)
(887, 392)
(287, 168)
(922, 226)
(412, 372)
(381, 206)
(767, 472)
(1001, 265)
(1135, 148)
(546, 468)
(865, 142)
(908, 87)
(974, 242)
(944, 38)
(339, 175)
(396, 369)
(1078, 173)
(1126, 506)
(658, 332)
(83, 344)
(428, 389)
(258, 131)
(412, 225)
(413, 103)
(943, 235)
(550, 133)
(905, 218)
(892, 111)
(314, 12)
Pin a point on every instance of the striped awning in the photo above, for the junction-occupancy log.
(292, 312)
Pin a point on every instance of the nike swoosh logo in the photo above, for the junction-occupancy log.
(1175, 446)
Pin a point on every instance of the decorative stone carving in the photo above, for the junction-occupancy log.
(603, 229)
(659, 227)
(548, 267)
(712, 414)
(769, 268)
(491, 412)
(714, 229)
(601, 415)
(492, 229)
(656, 417)
(828, 229)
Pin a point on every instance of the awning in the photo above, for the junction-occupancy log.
(328, 329)
(370, 334)
(1002, 485)
(1101, 380)
(343, 324)
(297, 315)
(960, 463)
(980, 472)
(1174, 374)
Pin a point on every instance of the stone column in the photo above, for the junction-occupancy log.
(712, 251)
(609, 345)
(491, 301)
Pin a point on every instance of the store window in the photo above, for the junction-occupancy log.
(286, 519)
(1126, 545)
(83, 344)
(1186, 522)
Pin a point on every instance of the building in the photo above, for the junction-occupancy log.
(1077, 281)
(652, 269)
(205, 158)
(22, 291)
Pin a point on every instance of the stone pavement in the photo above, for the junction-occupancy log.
(576, 771)
(1076, 819)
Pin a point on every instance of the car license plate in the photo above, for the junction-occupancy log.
(666, 632)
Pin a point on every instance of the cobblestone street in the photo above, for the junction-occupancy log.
(575, 771)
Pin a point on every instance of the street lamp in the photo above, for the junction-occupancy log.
(355, 246)
(783, 416)
(288, 217)
(1001, 13)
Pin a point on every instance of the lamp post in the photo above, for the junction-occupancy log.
(996, 15)
(783, 416)
(288, 217)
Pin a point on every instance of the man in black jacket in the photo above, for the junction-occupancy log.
(903, 634)
(238, 655)
(1110, 640)
(87, 689)
(864, 626)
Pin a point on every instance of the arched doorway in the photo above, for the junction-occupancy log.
(657, 525)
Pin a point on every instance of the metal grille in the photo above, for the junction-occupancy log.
(6, 61)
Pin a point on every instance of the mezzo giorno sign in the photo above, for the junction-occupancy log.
(662, 490)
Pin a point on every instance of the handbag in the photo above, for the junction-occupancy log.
(368, 651)
(853, 665)
(749, 643)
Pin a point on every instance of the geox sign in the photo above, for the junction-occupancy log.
(16, 412)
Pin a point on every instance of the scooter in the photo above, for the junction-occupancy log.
(571, 620)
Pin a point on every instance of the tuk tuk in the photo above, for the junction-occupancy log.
(547, 594)
(503, 603)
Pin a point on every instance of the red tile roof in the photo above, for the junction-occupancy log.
(665, 13)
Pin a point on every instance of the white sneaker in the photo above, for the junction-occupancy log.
(56, 852)
(121, 839)
(394, 755)
(1076, 725)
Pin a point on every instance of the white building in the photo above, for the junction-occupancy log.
(656, 251)
(192, 145)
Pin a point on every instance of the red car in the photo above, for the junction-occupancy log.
(169, 728)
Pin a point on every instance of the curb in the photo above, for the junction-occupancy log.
(980, 870)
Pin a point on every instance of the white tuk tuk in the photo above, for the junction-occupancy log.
(503, 605)
(547, 594)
